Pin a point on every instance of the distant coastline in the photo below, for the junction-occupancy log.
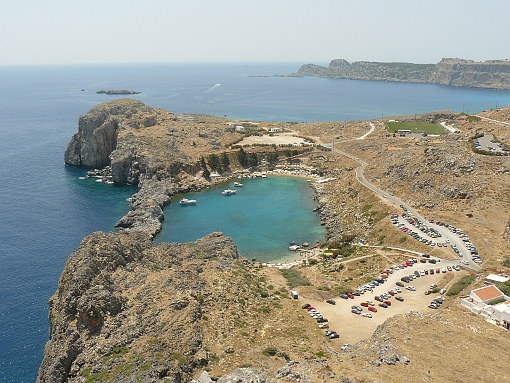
(117, 91)
(493, 74)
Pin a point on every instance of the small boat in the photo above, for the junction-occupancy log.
(229, 192)
(83, 178)
(294, 248)
(292, 243)
(238, 184)
(185, 201)
(264, 175)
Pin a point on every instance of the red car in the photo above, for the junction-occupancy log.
(371, 308)
(391, 293)
(364, 304)
(388, 303)
(350, 295)
(311, 308)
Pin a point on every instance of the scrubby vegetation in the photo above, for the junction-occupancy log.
(294, 278)
(460, 285)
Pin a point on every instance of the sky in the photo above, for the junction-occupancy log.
(312, 31)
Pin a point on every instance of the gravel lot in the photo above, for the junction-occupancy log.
(353, 328)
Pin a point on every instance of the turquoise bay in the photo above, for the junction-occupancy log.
(262, 217)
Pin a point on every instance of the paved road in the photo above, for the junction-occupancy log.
(397, 202)
(495, 121)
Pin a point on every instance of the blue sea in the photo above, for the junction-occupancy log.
(46, 210)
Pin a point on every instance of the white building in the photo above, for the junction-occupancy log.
(495, 279)
(481, 301)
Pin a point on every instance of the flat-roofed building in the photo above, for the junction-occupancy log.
(495, 279)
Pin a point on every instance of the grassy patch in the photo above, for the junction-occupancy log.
(294, 278)
(460, 285)
(506, 262)
(500, 300)
(416, 127)
(402, 239)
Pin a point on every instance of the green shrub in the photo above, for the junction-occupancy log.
(270, 351)
(506, 262)
(460, 285)
(402, 239)
(504, 287)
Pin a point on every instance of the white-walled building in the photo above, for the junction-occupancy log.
(481, 301)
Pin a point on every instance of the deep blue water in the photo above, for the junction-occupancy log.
(262, 217)
(46, 210)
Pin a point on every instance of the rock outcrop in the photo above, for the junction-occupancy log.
(459, 72)
(454, 72)
(97, 133)
(125, 311)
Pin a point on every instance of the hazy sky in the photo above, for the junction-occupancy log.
(109, 31)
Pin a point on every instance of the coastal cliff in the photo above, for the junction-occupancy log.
(127, 311)
(151, 148)
(449, 71)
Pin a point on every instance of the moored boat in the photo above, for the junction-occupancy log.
(238, 184)
(185, 201)
(294, 248)
(229, 192)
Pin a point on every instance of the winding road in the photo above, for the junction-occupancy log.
(398, 203)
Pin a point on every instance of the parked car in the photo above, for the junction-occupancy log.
(372, 308)
(388, 303)
(322, 320)
(364, 304)
(367, 315)
(399, 299)
(400, 284)
(344, 296)
(331, 302)
(334, 336)
(305, 306)
(323, 325)
(383, 305)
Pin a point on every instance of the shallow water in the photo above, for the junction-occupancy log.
(263, 217)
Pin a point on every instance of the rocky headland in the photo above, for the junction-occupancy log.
(128, 311)
(449, 71)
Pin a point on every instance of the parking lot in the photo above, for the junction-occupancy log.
(354, 327)
(489, 144)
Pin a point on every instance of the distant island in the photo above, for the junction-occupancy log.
(117, 91)
(449, 71)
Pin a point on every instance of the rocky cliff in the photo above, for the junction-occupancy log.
(454, 72)
(125, 311)
(458, 72)
(148, 147)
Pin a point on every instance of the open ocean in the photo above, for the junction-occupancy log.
(46, 210)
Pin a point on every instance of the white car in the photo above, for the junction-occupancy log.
(345, 346)
(323, 325)
(368, 315)
(410, 288)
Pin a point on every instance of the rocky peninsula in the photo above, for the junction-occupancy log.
(128, 311)
(449, 71)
